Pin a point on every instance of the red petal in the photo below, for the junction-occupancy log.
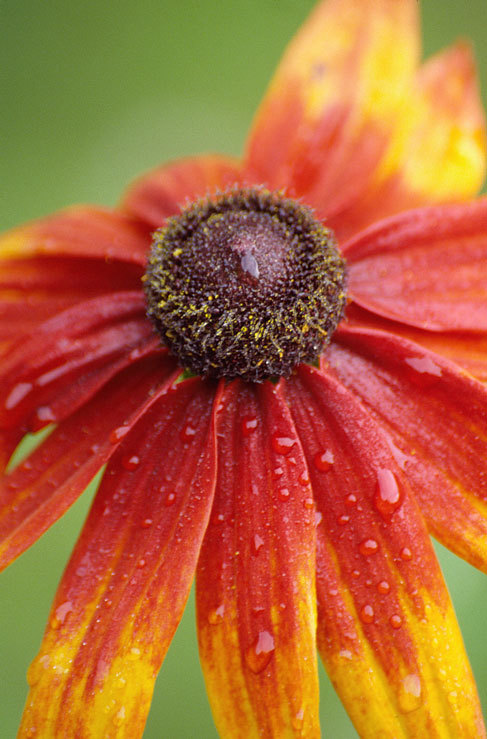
(125, 588)
(426, 268)
(35, 288)
(37, 492)
(80, 231)
(48, 375)
(467, 350)
(436, 417)
(382, 602)
(332, 106)
(255, 583)
(164, 191)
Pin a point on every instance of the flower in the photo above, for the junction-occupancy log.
(302, 505)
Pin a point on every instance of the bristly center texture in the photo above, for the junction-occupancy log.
(245, 284)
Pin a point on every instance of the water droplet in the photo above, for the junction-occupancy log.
(345, 653)
(278, 472)
(187, 433)
(406, 554)
(350, 500)
(43, 415)
(60, 614)
(170, 499)
(216, 616)
(298, 720)
(259, 654)
(410, 694)
(257, 543)
(118, 434)
(119, 717)
(383, 587)
(308, 503)
(134, 653)
(283, 493)
(318, 518)
(17, 394)
(368, 547)
(367, 614)
(249, 424)
(37, 669)
(343, 520)
(324, 460)
(304, 478)
(395, 621)
(356, 574)
(387, 496)
(249, 264)
(146, 523)
(130, 462)
(141, 563)
(282, 444)
(425, 374)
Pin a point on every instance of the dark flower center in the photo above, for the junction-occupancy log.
(246, 284)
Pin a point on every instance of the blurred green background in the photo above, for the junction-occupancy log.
(92, 94)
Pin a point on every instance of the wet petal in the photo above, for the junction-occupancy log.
(125, 588)
(468, 350)
(386, 628)
(436, 418)
(438, 151)
(255, 581)
(42, 487)
(35, 288)
(162, 192)
(426, 267)
(331, 108)
(80, 231)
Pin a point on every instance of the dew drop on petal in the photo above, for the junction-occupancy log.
(216, 615)
(134, 654)
(119, 717)
(395, 621)
(60, 614)
(351, 500)
(324, 460)
(17, 394)
(146, 523)
(259, 654)
(118, 434)
(249, 424)
(257, 543)
(425, 374)
(298, 720)
(170, 499)
(383, 587)
(304, 478)
(368, 547)
(318, 518)
(187, 433)
(343, 520)
(410, 694)
(387, 497)
(406, 554)
(43, 415)
(282, 444)
(308, 503)
(278, 472)
(367, 614)
(283, 494)
(130, 462)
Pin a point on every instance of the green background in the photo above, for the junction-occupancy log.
(92, 94)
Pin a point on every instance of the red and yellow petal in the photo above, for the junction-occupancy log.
(125, 588)
(437, 153)
(255, 579)
(436, 418)
(327, 118)
(386, 628)
(162, 192)
(426, 267)
(80, 231)
(44, 485)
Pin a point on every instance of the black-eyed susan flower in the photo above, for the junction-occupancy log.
(281, 362)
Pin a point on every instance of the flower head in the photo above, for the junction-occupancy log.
(290, 451)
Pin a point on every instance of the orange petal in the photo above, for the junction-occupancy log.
(164, 191)
(386, 627)
(80, 231)
(328, 115)
(255, 580)
(438, 151)
(125, 588)
(436, 418)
